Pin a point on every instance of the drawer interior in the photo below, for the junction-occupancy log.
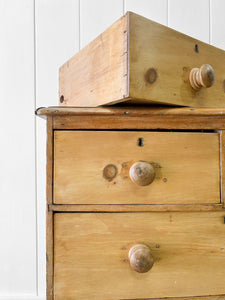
(186, 164)
(91, 255)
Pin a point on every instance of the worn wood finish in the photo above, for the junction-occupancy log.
(103, 62)
(186, 167)
(202, 77)
(129, 118)
(216, 297)
(146, 123)
(137, 111)
(49, 213)
(142, 173)
(91, 255)
(134, 207)
(141, 259)
(139, 61)
(222, 166)
(172, 55)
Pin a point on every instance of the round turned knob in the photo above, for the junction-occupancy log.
(203, 76)
(142, 173)
(140, 258)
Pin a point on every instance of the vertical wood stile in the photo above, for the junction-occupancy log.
(49, 213)
(222, 165)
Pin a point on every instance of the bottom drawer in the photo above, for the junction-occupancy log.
(91, 255)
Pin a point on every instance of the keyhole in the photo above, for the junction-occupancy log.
(140, 142)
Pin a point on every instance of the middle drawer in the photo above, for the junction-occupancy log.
(96, 167)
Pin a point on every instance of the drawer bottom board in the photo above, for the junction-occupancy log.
(91, 255)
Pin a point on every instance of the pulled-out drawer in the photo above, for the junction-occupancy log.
(128, 167)
(139, 61)
(91, 255)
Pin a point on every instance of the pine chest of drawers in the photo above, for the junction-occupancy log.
(135, 203)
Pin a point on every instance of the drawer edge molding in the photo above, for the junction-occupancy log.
(134, 207)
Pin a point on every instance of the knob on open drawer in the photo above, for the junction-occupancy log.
(202, 77)
(141, 259)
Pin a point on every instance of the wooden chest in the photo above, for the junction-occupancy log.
(135, 203)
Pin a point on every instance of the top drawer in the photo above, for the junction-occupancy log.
(94, 167)
(138, 60)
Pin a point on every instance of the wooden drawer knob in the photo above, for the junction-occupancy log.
(202, 77)
(140, 258)
(142, 173)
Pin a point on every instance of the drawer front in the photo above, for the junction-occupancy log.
(91, 255)
(94, 167)
(160, 62)
(139, 60)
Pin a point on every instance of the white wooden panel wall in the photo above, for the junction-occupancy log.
(36, 37)
(18, 253)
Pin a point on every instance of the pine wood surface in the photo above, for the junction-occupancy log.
(91, 255)
(103, 63)
(186, 167)
(132, 117)
(49, 213)
(140, 61)
(131, 111)
(134, 207)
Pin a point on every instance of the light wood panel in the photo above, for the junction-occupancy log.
(99, 71)
(170, 56)
(190, 17)
(140, 61)
(186, 166)
(17, 160)
(134, 208)
(217, 24)
(151, 9)
(91, 255)
(96, 16)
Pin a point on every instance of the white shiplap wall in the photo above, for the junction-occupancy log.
(36, 37)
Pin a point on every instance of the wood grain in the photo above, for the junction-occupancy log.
(129, 117)
(186, 166)
(91, 255)
(49, 214)
(99, 71)
(115, 68)
(140, 111)
(172, 55)
(134, 207)
(222, 166)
